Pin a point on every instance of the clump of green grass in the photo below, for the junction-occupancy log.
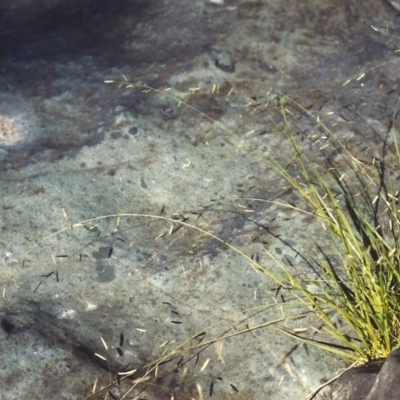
(358, 206)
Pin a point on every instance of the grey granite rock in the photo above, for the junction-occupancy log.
(387, 383)
(355, 384)
(372, 382)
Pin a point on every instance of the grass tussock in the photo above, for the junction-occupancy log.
(357, 203)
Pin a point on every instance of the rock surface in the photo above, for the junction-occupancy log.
(82, 302)
(387, 383)
(354, 384)
(378, 381)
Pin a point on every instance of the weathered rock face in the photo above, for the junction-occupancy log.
(355, 384)
(373, 382)
(387, 383)
(72, 147)
(44, 44)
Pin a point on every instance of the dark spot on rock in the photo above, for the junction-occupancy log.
(133, 131)
(142, 255)
(7, 325)
(116, 135)
(39, 190)
(209, 105)
(143, 183)
(102, 253)
(225, 62)
(105, 271)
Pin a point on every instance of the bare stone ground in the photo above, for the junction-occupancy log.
(73, 148)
